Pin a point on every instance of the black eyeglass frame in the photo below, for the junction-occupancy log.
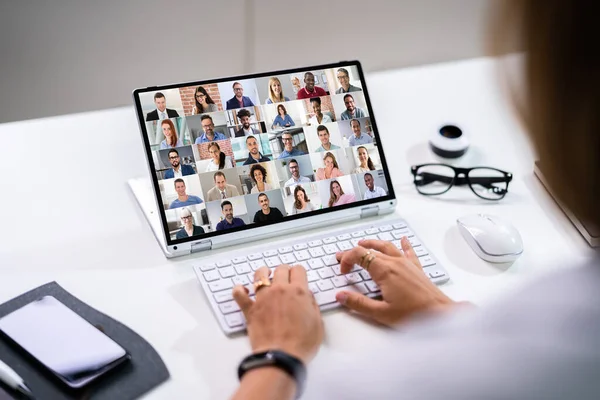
(461, 178)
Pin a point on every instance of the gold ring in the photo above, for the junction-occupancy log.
(362, 259)
(366, 267)
(261, 284)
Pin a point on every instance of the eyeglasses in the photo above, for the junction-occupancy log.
(173, 157)
(188, 217)
(286, 139)
(487, 183)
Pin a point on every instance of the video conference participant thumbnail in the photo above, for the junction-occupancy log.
(254, 155)
(330, 169)
(171, 140)
(189, 229)
(318, 117)
(343, 77)
(203, 103)
(296, 178)
(266, 212)
(275, 91)
(352, 111)
(288, 147)
(302, 202)
(337, 196)
(238, 100)
(183, 199)
(218, 159)
(372, 191)
(222, 190)
(209, 133)
(309, 89)
(229, 220)
(178, 169)
(359, 137)
(246, 130)
(161, 112)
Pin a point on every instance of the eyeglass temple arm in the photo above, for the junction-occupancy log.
(427, 178)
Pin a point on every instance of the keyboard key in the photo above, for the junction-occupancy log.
(257, 264)
(372, 286)
(326, 272)
(223, 263)
(353, 277)
(358, 234)
(372, 231)
(414, 242)
(371, 237)
(329, 240)
(227, 272)
(208, 267)
(360, 287)
(287, 258)
(312, 276)
(329, 260)
(240, 280)
(420, 251)
(340, 281)
(220, 285)
(316, 263)
(354, 242)
(286, 249)
(313, 287)
(356, 268)
(254, 256)
(325, 285)
(243, 269)
(272, 262)
(315, 243)
(344, 236)
(210, 276)
(385, 236)
(300, 246)
(365, 275)
(337, 269)
(400, 233)
(385, 228)
(234, 319)
(436, 273)
(426, 261)
(345, 245)
(225, 295)
(330, 248)
(302, 255)
(270, 253)
(239, 260)
(328, 297)
(229, 307)
(316, 252)
(304, 264)
(399, 225)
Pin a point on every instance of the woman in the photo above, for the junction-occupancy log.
(219, 160)
(331, 169)
(302, 203)
(539, 342)
(258, 174)
(171, 140)
(189, 229)
(282, 119)
(366, 164)
(203, 102)
(275, 91)
(337, 197)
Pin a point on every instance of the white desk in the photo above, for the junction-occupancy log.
(67, 215)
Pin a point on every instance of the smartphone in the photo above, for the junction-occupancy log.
(67, 345)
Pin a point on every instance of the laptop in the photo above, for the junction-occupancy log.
(249, 158)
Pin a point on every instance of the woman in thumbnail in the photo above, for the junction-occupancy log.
(258, 174)
(202, 102)
(189, 229)
(366, 164)
(302, 203)
(171, 139)
(275, 91)
(337, 197)
(331, 169)
(283, 119)
(219, 160)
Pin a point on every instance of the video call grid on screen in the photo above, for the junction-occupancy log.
(230, 154)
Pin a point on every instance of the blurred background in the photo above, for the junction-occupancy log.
(68, 56)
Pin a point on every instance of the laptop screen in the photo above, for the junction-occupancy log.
(232, 154)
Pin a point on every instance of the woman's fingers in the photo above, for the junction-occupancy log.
(379, 264)
(261, 274)
(298, 276)
(241, 297)
(409, 251)
(384, 247)
(362, 304)
(282, 274)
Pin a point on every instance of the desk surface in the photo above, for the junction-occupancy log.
(67, 215)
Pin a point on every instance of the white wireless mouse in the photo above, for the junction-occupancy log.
(491, 238)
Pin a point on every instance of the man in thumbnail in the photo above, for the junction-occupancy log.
(230, 221)
(310, 90)
(351, 110)
(324, 135)
(238, 100)
(189, 229)
(344, 78)
(288, 147)
(161, 112)
(296, 178)
(222, 190)
(246, 130)
(209, 135)
(178, 169)
(359, 137)
(266, 213)
(254, 156)
(319, 118)
(183, 199)
(372, 190)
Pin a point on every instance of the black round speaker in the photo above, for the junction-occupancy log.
(449, 142)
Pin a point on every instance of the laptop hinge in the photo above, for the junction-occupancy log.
(369, 211)
(202, 245)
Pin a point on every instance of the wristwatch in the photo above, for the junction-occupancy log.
(276, 358)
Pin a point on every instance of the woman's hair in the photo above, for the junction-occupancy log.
(221, 154)
(282, 107)
(174, 138)
(297, 203)
(330, 154)
(561, 93)
(185, 212)
(199, 106)
(369, 161)
(261, 169)
(332, 197)
(272, 95)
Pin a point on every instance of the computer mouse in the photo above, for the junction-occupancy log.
(492, 238)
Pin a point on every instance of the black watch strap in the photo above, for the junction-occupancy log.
(276, 358)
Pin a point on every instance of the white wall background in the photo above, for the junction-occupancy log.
(66, 56)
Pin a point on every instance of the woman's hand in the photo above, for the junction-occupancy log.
(284, 316)
(405, 288)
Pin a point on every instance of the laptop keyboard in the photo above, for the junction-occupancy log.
(316, 254)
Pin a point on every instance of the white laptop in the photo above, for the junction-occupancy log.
(249, 158)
